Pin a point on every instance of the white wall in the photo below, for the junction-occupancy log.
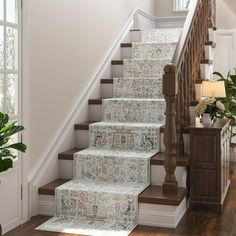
(65, 41)
(226, 14)
(165, 8)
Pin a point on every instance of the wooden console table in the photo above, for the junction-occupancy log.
(209, 165)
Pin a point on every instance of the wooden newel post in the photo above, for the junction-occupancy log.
(170, 91)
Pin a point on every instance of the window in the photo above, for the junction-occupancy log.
(9, 58)
(181, 5)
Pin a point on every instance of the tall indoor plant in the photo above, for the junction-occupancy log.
(230, 100)
(8, 148)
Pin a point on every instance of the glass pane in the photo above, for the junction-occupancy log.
(11, 11)
(11, 94)
(1, 47)
(1, 10)
(184, 4)
(1, 93)
(11, 48)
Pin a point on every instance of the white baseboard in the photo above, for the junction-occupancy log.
(161, 215)
(46, 205)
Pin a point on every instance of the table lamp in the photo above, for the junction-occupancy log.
(213, 89)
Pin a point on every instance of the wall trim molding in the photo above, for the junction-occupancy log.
(157, 22)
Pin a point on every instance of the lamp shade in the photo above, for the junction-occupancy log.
(215, 89)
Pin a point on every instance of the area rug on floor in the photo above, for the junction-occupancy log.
(102, 198)
(88, 227)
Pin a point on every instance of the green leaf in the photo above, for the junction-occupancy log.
(219, 74)
(233, 78)
(17, 146)
(5, 164)
(6, 153)
(4, 118)
(13, 130)
(7, 150)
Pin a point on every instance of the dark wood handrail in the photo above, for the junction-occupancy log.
(179, 81)
(176, 60)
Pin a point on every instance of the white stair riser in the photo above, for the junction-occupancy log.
(210, 34)
(198, 89)
(146, 111)
(134, 36)
(126, 52)
(82, 138)
(186, 143)
(161, 215)
(158, 175)
(209, 53)
(66, 169)
(95, 112)
(117, 71)
(206, 71)
(46, 205)
(192, 115)
(107, 90)
(149, 214)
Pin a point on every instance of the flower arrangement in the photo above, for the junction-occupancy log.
(209, 106)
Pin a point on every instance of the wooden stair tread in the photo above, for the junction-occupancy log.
(84, 125)
(185, 130)
(153, 195)
(96, 101)
(69, 154)
(210, 43)
(206, 61)
(193, 103)
(135, 30)
(126, 45)
(117, 62)
(199, 81)
(106, 81)
(49, 189)
(181, 160)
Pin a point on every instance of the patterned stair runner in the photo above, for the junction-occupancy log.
(102, 198)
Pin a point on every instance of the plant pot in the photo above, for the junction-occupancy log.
(206, 120)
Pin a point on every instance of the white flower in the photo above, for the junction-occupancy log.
(220, 106)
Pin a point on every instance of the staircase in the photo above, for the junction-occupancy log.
(113, 180)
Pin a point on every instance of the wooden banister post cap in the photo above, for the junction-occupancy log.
(170, 69)
(170, 82)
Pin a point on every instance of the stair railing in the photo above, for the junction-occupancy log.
(179, 83)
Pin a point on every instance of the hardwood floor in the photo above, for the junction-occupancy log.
(194, 223)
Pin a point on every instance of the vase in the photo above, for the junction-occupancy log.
(206, 119)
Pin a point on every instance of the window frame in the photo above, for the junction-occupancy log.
(17, 71)
(176, 8)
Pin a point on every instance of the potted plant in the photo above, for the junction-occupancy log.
(8, 148)
(209, 109)
(230, 100)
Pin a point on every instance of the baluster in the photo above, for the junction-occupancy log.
(170, 91)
